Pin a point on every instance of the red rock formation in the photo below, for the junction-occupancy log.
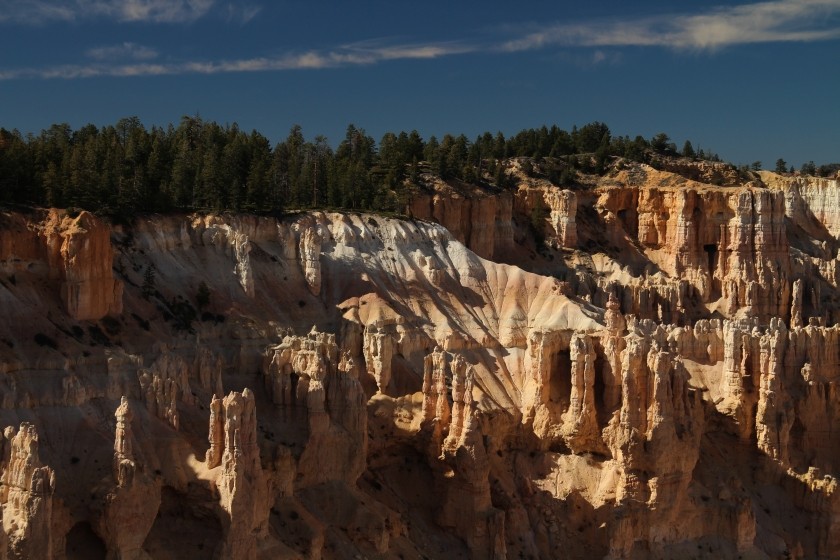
(379, 352)
(80, 256)
(462, 403)
(481, 221)
(655, 440)
(436, 411)
(132, 504)
(303, 372)
(164, 384)
(216, 435)
(310, 254)
(243, 493)
(796, 304)
(456, 447)
(613, 347)
(26, 496)
(730, 244)
(786, 379)
(586, 431)
(563, 205)
(560, 205)
(580, 422)
(123, 455)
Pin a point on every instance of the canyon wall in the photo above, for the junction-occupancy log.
(656, 379)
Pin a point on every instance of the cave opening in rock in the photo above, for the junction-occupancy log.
(294, 379)
(711, 253)
(600, 388)
(711, 250)
(629, 220)
(560, 383)
(83, 544)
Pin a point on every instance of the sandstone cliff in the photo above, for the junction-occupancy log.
(656, 380)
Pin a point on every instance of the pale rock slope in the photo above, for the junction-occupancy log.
(656, 378)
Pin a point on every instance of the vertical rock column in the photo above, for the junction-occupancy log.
(436, 413)
(462, 384)
(379, 352)
(26, 497)
(80, 255)
(774, 416)
(737, 399)
(465, 490)
(613, 347)
(123, 453)
(241, 482)
(216, 435)
(435, 402)
(132, 504)
(164, 384)
(580, 422)
(796, 305)
(563, 206)
(629, 443)
(310, 258)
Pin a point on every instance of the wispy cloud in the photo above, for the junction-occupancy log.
(242, 13)
(161, 11)
(764, 22)
(351, 55)
(156, 11)
(36, 11)
(123, 51)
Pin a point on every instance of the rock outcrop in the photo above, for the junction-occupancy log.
(658, 379)
(457, 451)
(26, 496)
(482, 221)
(75, 253)
(303, 374)
(163, 385)
(729, 245)
(379, 353)
(310, 254)
(243, 493)
(80, 255)
(580, 422)
(132, 503)
(556, 207)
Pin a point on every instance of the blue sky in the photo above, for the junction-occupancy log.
(749, 80)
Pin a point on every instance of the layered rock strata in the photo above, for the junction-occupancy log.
(667, 382)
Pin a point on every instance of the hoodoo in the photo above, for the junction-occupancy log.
(642, 365)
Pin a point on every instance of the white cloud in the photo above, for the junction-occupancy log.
(351, 55)
(763, 22)
(772, 21)
(157, 11)
(35, 11)
(123, 51)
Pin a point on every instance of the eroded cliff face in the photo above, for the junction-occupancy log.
(661, 384)
(480, 219)
(77, 254)
(729, 245)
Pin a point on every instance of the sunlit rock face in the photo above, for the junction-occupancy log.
(642, 365)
